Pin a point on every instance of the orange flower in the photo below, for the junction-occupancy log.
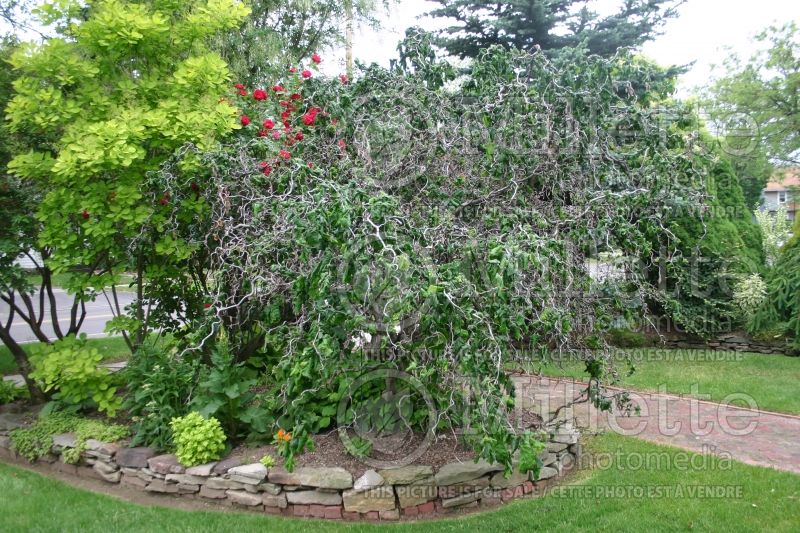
(284, 436)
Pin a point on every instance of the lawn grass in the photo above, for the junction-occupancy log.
(111, 348)
(767, 501)
(770, 380)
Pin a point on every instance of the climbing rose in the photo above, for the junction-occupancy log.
(276, 135)
(269, 124)
(299, 136)
(306, 74)
(278, 88)
(292, 70)
(238, 86)
(263, 133)
(309, 118)
(284, 154)
(296, 96)
(85, 214)
(245, 120)
(343, 78)
(260, 94)
(316, 59)
(266, 169)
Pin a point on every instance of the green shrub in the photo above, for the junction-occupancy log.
(197, 440)
(159, 385)
(35, 441)
(10, 392)
(72, 369)
(625, 338)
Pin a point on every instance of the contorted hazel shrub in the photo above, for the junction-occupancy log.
(416, 242)
(197, 440)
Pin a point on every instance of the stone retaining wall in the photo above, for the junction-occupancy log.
(320, 492)
(736, 342)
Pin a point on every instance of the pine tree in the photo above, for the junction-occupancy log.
(550, 24)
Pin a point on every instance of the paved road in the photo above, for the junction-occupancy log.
(97, 314)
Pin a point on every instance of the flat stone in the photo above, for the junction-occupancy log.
(141, 474)
(406, 475)
(105, 448)
(104, 468)
(555, 447)
(453, 473)
(134, 457)
(165, 464)
(11, 421)
(417, 493)
(187, 488)
(467, 487)
(159, 485)
(242, 497)
(223, 466)
(323, 477)
(369, 480)
(461, 500)
(275, 500)
(311, 497)
(252, 474)
(501, 482)
(377, 499)
(546, 473)
(185, 479)
(269, 488)
(64, 440)
(5, 442)
(202, 470)
(111, 477)
(218, 483)
(212, 494)
(548, 458)
(133, 481)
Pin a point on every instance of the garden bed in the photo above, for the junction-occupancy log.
(444, 480)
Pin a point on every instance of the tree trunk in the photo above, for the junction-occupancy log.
(348, 8)
(21, 358)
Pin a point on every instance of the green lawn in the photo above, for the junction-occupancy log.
(770, 379)
(112, 349)
(768, 501)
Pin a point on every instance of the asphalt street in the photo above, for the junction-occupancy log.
(98, 313)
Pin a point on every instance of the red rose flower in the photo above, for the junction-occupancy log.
(287, 124)
(260, 94)
(276, 135)
(343, 79)
(292, 70)
(245, 120)
(266, 169)
(299, 136)
(263, 133)
(306, 74)
(206, 306)
(285, 115)
(238, 86)
(296, 96)
(269, 124)
(85, 214)
(284, 154)
(242, 92)
(284, 103)
(342, 144)
(316, 59)
(309, 118)
(278, 88)
(310, 164)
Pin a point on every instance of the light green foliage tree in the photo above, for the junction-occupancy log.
(775, 232)
(762, 94)
(279, 33)
(97, 107)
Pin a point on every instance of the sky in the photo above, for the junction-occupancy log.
(701, 33)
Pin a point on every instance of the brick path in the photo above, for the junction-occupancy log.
(750, 436)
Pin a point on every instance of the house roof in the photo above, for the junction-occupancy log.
(782, 180)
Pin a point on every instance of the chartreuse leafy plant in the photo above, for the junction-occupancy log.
(72, 369)
(197, 440)
(115, 92)
(35, 441)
